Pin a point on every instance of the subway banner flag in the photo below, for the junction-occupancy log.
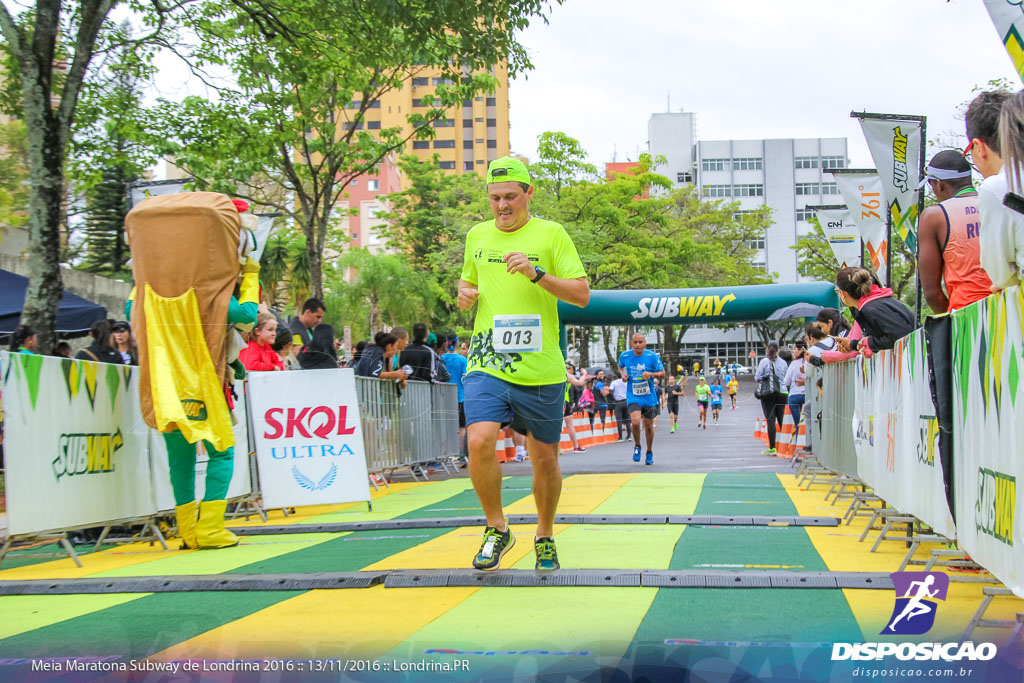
(895, 146)
(1008, 18)
(863, 194)
(988, 433)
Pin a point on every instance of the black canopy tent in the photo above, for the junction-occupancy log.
(74, 318)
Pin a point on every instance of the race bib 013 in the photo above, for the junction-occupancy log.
(518, 333)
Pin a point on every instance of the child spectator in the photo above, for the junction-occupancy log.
(260, 355)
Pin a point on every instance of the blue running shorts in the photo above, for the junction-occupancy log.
(533, 410)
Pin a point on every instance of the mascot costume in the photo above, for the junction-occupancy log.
(187, 252)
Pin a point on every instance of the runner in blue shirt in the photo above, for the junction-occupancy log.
(639, 367)
(716, 399)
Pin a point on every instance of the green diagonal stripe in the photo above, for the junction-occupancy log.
(113, 383)
(33, 366)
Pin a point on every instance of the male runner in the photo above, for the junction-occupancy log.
(716, 399)
(516, 269)
(675, 390)
(703, 397)
(639, 367)
(734, 386)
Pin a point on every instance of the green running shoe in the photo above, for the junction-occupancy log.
(495, 545)
(547, 555)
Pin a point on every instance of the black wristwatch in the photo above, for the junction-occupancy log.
(540, 273)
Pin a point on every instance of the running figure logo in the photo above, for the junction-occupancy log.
(916, 595)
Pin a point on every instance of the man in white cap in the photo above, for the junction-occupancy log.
(516, 269)
(949, 237)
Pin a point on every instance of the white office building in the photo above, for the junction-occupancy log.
(785, 174)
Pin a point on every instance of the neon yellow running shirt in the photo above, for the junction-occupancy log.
(518, 300)
(703, 392)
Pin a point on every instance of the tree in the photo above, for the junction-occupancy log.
(562, 162)
(49, 90)
(428, 223)
(14, 186)
(107, 152)
(290, 136)
(386, 291)
(49, 50)
(107, 205)
(297, 64)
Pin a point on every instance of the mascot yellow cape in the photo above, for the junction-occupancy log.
(185, 262)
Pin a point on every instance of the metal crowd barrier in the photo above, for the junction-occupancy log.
(833, 430)
(408, 428)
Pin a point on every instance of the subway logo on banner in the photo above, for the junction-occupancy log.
(681, 306)
(900, 177)
(997, 499)
(86, 453)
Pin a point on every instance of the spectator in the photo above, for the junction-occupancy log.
(464, 349)
(587, 403)
(795, 380)
(283, 347)
(817, 343)
(99, 350)
(260, 355)
(622, 424)
(773, 370)
(882, 318)
(439, 371)
(123, 342)
(302, 325)
(999, 224)
(357, 354)
(24, 340)
(573, 385)
(402, 340)
(456, 365)
(601, 396)
(948, 235)
(320, 354)
(63, 349)
(1002, 240)
(832, 322)
(418, 355)
(377, 356)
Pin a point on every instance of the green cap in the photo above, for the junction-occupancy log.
(508, 169)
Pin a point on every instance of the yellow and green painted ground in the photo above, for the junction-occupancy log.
(563, 628)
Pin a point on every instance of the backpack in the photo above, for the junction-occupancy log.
(769, 384)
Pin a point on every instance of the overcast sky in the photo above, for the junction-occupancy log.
(750, 68)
